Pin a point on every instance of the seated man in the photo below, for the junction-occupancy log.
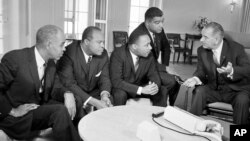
(153, 26)
(222, 72)
(83, 69)
(133, 71)
(28, 87)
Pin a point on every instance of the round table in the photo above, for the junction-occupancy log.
(120, 123)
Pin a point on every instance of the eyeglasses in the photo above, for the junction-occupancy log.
(179, 80)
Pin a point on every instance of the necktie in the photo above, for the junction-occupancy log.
(136, 63)
(41, 89)
(216, 61)
(155, 45)
(89, 59)
(88, 63)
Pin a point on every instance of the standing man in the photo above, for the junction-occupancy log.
(28, 83)
(153, 26)
(133, 72)
(83, 69)
(222, 72)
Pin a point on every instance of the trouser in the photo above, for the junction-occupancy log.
(45, 116)
(238, 99)
(170, 83)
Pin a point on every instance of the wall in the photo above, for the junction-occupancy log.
(11, 25)
(46, 12)
(25, 17)
(118, 19)
(181, 14)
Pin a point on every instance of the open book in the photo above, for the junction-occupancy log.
(194, 124)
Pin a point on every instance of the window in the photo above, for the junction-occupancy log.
(100, 20)
(76, 18)
(137, 11)
(1, 27)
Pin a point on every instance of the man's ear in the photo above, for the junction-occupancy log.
(134, 46)
(48, 44)
(218, 39)
(146, 23)
(86, 41)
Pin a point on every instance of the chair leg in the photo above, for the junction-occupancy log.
(173, 57)
(190, 56)
(190, 60)
(178, 57)
(184, 57)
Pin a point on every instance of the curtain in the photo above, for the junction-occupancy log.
(245, 22)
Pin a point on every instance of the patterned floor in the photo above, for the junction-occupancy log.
(183, 70)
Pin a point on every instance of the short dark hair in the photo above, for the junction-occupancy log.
(46, 33)
(134, 36)
(153, 12)
(217, 28)
(88, 32)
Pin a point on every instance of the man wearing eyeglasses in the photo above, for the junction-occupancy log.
(83, 69)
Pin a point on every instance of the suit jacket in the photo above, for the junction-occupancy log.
(231, 52)
(19, 81)
(161, 45)
(72, 70)
(123, 75)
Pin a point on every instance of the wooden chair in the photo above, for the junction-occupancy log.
(221, 110)
(175, 43)
(120, 38)
(189, 44)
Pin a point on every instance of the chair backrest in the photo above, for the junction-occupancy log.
(120, 38)
(175, 37)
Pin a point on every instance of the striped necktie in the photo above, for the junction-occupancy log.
(136, 63)
(155, 45)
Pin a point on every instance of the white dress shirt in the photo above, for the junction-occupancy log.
(217, 52)
(40, 67)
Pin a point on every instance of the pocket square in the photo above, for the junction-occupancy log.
(98, 74)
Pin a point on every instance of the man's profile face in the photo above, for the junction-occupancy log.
(208, 39)
(155, 25)
(96, 44)
(57, 47)
(143, 47)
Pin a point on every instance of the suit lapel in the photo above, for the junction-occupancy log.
(224, 53)
(33, 69)
(151, 39)
(211, 61)
(140, 68)
(81, 59)
(48, 78)
(130, 60)
(92, 67)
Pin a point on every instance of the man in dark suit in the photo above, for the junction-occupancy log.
(28, 88)
(83, 69)
(133, 71)
(153, 26)
(222, 72)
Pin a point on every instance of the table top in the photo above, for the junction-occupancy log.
(120, 123)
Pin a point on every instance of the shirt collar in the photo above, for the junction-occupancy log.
(133, 56)
(86, 56)
(39, 60)
(151, 33)
(219, 49)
